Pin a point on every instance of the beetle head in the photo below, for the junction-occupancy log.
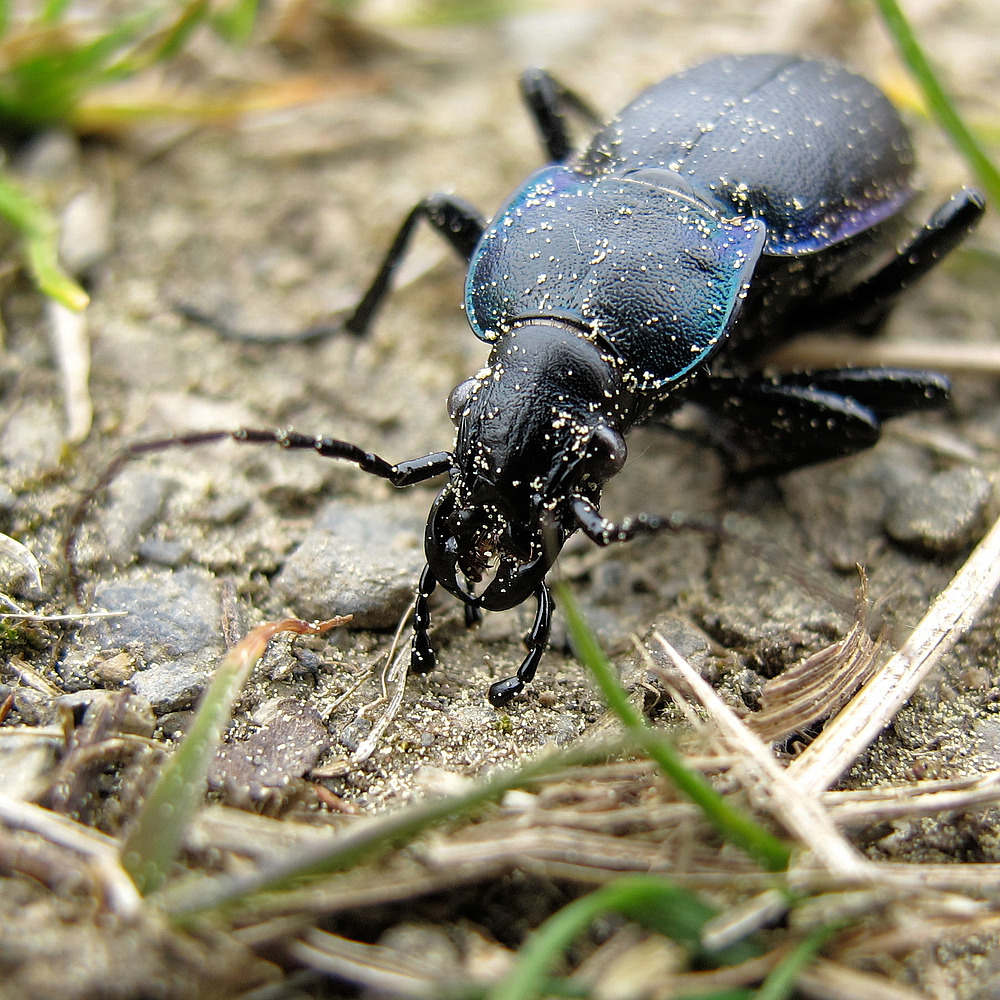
(540, 424)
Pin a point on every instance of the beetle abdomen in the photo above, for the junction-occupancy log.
(816, 152)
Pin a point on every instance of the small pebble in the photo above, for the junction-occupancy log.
(357, 559)
(942, 515)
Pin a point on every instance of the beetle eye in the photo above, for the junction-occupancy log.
(606, 453)
(458, 398)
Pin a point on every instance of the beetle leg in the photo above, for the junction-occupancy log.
(775, 424)
(548, 100)
(422, 658)
(536, 640)
(887, 392)
(866, 304)
(456, 220)
(603, 532)
(473, 615)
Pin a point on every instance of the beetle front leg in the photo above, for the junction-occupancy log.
(456, 220)
(422, 658)
(536, 641)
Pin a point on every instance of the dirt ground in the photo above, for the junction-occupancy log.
(274, 223)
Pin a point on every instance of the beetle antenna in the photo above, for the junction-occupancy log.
(406, 473)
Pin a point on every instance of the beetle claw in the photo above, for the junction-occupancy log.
(503, 691)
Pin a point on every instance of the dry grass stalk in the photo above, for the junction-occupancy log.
(394, 676)
(99, 852)
(954, 612)
(376, 967)
(829, 352)
(818, 686)
(801, 813)
(826, 980)
(874, 805)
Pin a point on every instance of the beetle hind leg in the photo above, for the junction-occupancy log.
(866, 304)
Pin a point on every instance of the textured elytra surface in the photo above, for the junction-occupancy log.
(815, 151)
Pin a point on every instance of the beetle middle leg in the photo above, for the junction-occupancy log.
(456, 220)
(774, 424)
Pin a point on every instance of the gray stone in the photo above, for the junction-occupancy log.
(171, 687)
(357, 559)
(172, 623)
(134, 503)
(943, 514)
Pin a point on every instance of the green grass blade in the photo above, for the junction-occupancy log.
(158, 833)
(48, 84)
(737, 827)
(653, 902)
(236, 24)
(780, 984)
(201, 894)
(175, 36)
(41, 245)
(552, 938)
(938, 102)
(54, 11)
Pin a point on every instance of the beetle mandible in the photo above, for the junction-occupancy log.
(725, 210)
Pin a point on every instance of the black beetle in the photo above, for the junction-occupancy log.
(725, 210)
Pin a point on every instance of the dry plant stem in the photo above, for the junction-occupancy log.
(826, 980)
(859, 724)
(32, 679)
(71, 345)
(830, 352)
(881, 804)
(101, 852)
(395, 675)
(802, 813)
(377, 967)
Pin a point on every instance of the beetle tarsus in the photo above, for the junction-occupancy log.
(502, 692)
